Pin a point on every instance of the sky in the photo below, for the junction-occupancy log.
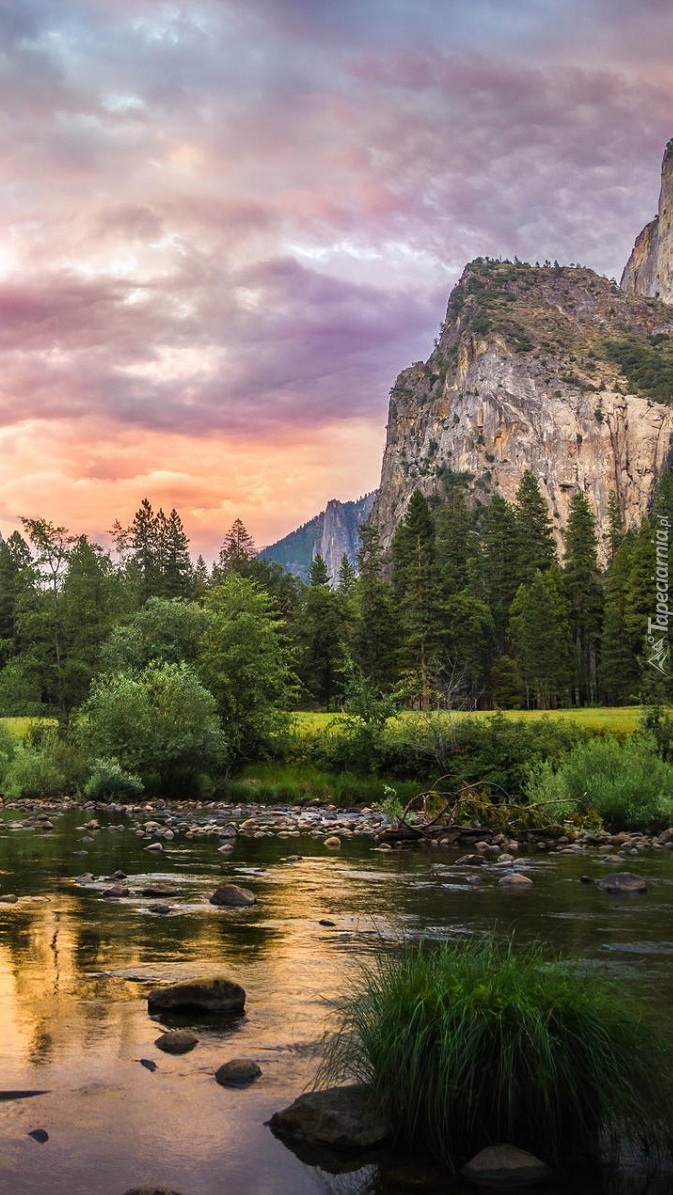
(226, 225)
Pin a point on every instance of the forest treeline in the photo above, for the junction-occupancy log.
(472, 607)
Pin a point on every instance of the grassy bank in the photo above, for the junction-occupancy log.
(271, 783)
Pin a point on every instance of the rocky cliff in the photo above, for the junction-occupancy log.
(332, 534)
(649, 270)
(552, 369)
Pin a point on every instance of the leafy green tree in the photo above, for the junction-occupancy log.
(244, 661)
(17, 577)
(418, 594)
(540, 631)
(160, 723)
(584, 590)
(164, 629)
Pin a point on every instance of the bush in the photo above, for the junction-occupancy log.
(497, 1044)
(627, 783)
(109, 782)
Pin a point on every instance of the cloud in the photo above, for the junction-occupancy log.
(228, 221)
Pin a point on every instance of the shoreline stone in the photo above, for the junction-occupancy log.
(342, 1117)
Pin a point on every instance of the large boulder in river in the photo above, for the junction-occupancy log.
(230, 896)
(622, 881)
(199, 995)
(341, 1117)
(505, 1166)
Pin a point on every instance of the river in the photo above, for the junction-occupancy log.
(76, 969)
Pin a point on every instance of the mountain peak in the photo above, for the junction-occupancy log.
(649, 270)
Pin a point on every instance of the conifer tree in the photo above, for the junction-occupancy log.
(535, 548)
(177, 572)
(619, 672)
(347, 576)
(318, 574)
(417, 589)
(376, 632)
(236, 554)
(540, 631)
(615, 524)
(584, 590)
(498, 571)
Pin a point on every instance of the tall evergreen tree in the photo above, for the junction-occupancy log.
(535, 547)
(498, 571)
(417, 588)
(347, 576)
(376, 638)
(177, 572)
(584, 590)
(236, 554)
(318, 574)
(619, 672)
(540, 631)
(615, 524)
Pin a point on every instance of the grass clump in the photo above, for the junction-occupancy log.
(470, 1044)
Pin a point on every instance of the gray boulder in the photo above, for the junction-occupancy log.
(342, 1117)
(199, 995)
(622, 881)
(230, 896)
(505, 1166)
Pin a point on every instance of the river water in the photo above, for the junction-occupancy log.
(75, 970)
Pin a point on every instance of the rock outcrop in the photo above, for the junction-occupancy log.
(552, 369)
(332, 534)
(649, 270)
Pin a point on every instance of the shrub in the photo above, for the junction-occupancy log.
(109, 782)
(627, 783)
(46, 764)
(497, 1044)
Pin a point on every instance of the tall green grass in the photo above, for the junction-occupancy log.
(271, 783)
(472, 1044)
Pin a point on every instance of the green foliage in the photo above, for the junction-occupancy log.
(164, 629)
(273, 783)
(626, 783)
(160, 722)
(109, 782)
(645, 361)
(46, 764)
(244, 661)
(497, 1043)
(359, 744)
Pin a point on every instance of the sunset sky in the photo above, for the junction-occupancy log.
(228, 224)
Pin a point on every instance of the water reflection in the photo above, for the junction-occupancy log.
(75, 970)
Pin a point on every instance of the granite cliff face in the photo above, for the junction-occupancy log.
(332, 534)
(649, 270)
(552, 369)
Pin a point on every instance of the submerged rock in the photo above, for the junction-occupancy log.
(342, 1117)
(199, 995)
(505, 1166)
(237, 1072)
(622, 881)
(230, 896)
(177, 1041)
(514, 879)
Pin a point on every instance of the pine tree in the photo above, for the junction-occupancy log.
(318, 574)
(540, 631)
(237, 552)
(417, 589)
(615, 524)
(498, 552)
(144, 546)
(200, 580)
(376, 638)
(177, 573)
(347, 576)
(584, 590)
(535, 548)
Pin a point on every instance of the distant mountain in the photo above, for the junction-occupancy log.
(332, 534)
